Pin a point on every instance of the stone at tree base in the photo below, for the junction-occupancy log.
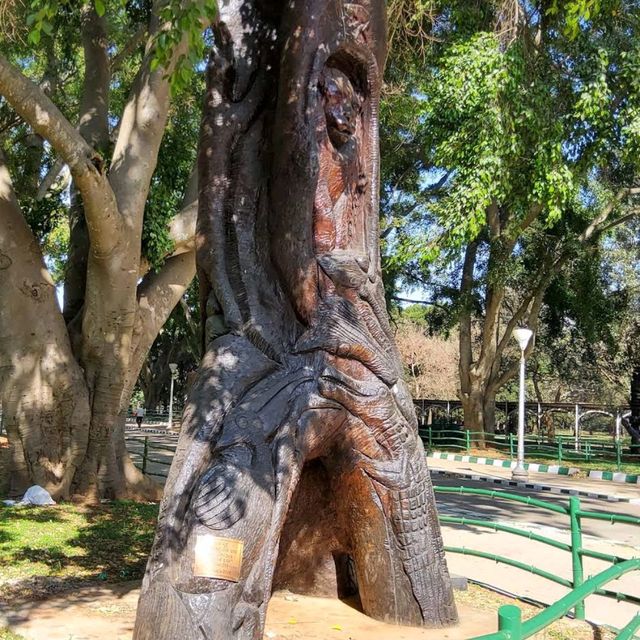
(300, 438)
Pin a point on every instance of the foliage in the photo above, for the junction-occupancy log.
(176, 160)
(512, 134)
(58, 62)
(185, 21)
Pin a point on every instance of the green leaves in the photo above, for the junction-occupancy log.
(185, 23)
(43, 13)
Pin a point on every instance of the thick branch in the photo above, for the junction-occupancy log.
(466, 290)
(140, 133)
(30, 102)
(182, 227)
(158, 294)
(93, 124)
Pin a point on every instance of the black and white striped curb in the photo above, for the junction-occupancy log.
(143, 430)
(534, 486)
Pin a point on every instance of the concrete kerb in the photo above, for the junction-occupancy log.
(614, 476)
(534, 486)
(506, 464)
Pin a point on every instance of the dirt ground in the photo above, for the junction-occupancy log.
(108, 612)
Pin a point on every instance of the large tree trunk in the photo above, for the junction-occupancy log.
(65, 377)
(44, 397)
(66, 431)
(299, 399)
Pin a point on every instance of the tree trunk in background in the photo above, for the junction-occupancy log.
(299, 450)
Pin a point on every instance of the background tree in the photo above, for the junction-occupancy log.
(511, 155)
(91, 142)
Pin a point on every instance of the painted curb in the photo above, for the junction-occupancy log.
(534, 486)
(612, 476)
(506, 464)
(615, 476)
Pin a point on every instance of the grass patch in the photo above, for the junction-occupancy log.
(45, 549)
(7, 634)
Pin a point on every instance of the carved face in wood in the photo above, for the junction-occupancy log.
(341, 106)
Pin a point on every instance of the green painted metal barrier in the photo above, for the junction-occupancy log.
(509, 617)
(452, 437)
(628, 632)
(511, 627)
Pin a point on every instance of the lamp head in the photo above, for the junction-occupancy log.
(173, 367)
(522, 335)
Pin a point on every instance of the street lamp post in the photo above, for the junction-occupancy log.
(173, 367)
(522, 335)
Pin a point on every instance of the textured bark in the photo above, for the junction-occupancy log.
(110, 320)
(299, 400)
(44, 398)
(633, 424)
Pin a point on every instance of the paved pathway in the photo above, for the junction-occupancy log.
(596, 495)
(619, 539)
(108, 613)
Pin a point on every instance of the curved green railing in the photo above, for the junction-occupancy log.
(510, 615)
(511, 626)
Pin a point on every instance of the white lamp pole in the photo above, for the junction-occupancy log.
(173, 367)
(522, 335)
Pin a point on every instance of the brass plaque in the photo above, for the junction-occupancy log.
(218, 557)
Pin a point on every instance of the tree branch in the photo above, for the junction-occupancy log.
(158, 294)
(593, 228)
(93, 123)
(31, 103)
(425, 302)
(141, 130)
(182, 227)
(129, 47)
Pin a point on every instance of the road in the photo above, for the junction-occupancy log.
(618, 539)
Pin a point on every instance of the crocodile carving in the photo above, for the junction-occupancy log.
(299, 442)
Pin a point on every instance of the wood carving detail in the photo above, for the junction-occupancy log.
(300, 438)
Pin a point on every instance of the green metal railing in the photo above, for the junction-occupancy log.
(509, 618)
(144, 459)
(511, 626)
(561, 449)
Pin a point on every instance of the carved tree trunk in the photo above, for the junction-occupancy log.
(300, 438)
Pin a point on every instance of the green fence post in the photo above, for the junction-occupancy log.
(576, 548)
(510, 619)
(511, 445)
(467, 438)
(145, 452)
(588, 452)
(559, 449)
(429, 437)
(618, 455)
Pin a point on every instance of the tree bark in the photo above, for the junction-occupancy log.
(633, 424)
(111, 322)
(44, 397)
(299, 394)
